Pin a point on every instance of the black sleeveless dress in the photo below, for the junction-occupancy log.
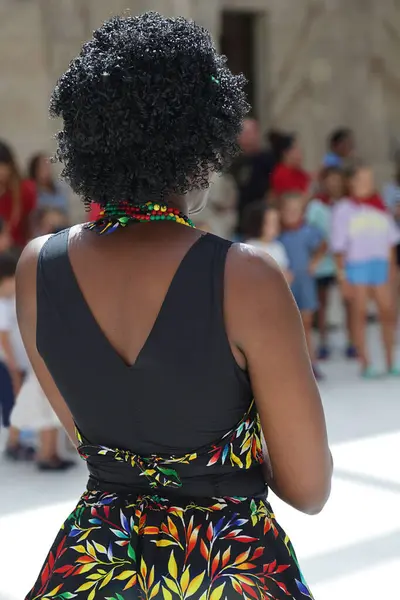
(176, 504)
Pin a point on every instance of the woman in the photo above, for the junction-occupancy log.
(17, 198)
(146, 341)
(50, 193)
(288, 176)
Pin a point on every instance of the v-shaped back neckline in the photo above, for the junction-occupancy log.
(97, 329)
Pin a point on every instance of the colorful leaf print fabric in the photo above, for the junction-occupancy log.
(161, 547)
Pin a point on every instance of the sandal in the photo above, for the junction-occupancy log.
(370, 373)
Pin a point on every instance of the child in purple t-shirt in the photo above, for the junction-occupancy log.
(363, 239)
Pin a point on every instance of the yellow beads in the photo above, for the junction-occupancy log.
(156, 207)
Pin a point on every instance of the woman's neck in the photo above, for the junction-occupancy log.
(178, 202)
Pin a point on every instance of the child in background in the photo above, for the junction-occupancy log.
(318, 214)
(391, 195)
(13, 359)
(6, 383)
(305, 248)
(363, 239)
(32, 410)
(288, 175)
(262, 229)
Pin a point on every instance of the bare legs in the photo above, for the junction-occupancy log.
(48, 442)
(13, 437)
(323, 297)
(358, 308)
(349, 323)
(383, 298)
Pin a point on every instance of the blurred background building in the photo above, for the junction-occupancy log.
(312, 64)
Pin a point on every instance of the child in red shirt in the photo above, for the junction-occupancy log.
(289, 175)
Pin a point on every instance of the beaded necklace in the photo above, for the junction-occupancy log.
(114, 216)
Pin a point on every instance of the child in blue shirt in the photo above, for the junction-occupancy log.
(305, 247)
(319, 214)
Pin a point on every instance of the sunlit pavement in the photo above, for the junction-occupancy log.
(349, 552)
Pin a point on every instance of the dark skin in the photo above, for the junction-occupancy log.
(263, 325)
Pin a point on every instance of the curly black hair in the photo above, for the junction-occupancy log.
(149, 110)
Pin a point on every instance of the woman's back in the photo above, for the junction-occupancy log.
(144, 349)
(145, 337)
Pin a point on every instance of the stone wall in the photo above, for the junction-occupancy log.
(322, 63)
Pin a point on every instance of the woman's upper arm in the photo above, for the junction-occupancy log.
(26, 311)
(264, 323)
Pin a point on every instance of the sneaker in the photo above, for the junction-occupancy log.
(27, 452)
(370, 373)
(394, 372)
(351, 352)
(13, 452)
(55, 465)
(323, 353)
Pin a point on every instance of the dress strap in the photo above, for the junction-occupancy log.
(53, 262)
(52, 281)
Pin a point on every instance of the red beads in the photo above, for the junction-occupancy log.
(117, 215)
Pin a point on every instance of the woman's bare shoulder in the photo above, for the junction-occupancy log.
(252, 268)
(30, 254)
(256, 292)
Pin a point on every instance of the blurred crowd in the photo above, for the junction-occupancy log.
(329, 229)
(30, 206)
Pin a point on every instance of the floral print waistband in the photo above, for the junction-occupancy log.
(240, 448)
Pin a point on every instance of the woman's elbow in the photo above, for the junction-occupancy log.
(314, 507)
(307, 495)
(314, 496)
(313, 502)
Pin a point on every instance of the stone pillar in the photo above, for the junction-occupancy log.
(293, 27)
(325, 58)
(353, 95)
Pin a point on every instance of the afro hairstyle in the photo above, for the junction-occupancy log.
(149, 110)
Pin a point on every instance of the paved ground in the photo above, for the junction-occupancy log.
(351, 551)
